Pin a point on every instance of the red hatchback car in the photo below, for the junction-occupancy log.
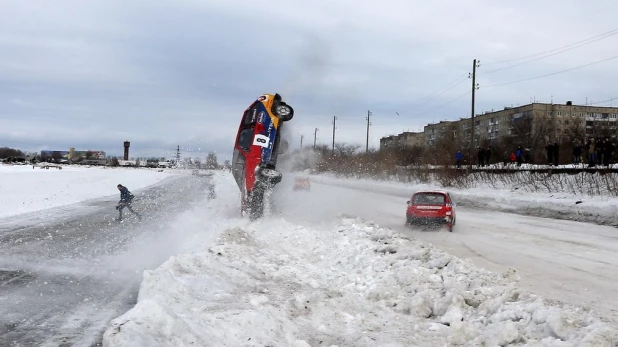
(431, 207)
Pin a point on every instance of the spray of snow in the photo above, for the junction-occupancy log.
(343, 283)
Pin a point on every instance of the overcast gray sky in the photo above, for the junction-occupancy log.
(92, 74)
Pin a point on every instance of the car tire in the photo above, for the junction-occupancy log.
(284, 111)
(284, 146)
(270, 176)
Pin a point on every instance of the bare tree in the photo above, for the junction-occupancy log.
(211, 161)
(6, 152)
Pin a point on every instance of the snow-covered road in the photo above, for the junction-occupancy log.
(67, 271)
(571, 262)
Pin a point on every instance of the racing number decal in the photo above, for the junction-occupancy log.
(261, 140)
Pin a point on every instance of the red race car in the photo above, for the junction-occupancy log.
(302, 183)
(431, 207)
(258, 143)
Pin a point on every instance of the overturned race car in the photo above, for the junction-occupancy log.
(258, 143)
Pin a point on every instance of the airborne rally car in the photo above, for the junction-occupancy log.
(257, 146)
(431, 207)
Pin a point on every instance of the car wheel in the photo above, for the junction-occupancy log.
(271, 176)
(284, 112)
(284, 145)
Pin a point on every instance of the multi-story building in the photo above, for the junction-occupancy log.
(537, 121)
(443, 130)
(404, 140)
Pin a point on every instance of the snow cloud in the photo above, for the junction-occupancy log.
(92, 75)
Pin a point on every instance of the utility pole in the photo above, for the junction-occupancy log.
(315, 136)
(475, 86)
(368, 124)
(334, 128)
(301, 141)
(178, 155)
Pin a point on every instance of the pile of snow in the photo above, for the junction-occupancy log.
(26, 189)
(275, 283)
(561, 205)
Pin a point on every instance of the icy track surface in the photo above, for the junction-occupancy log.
(342, 283)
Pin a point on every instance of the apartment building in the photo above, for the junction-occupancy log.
(546, 122)
(449, 130)
(404, 140)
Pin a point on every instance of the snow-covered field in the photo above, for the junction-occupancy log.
(343, 282)
(24, 189)
(598, 209)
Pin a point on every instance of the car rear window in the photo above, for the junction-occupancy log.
(429, 199)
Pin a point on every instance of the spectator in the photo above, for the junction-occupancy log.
(592, 152)
(513, 157)
(556, 153)
(458, 159)
(608, 150)
(549, 149)
(577, 153)
(488, 156)
(519, 153)
(481, 156)
(600, 151)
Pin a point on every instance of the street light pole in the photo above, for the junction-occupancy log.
(315, 136)
(368, 124)
(334, 128)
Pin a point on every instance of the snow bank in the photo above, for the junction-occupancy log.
(274, 283)
(24, 189)
(594, 209)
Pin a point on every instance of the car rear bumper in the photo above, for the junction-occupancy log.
(412, 219)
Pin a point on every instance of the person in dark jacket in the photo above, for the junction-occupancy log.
(600, 151)
(592, 152)
(556, 153)
(481, 156)
(608, 151)
(126, 198)
(549, 148)
(577, 153)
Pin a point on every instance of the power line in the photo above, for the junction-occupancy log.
(547, 56)
(608, 33)
(603, 101)
(430, 110)
(444, 104)
(448, 87)
(551, 74)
